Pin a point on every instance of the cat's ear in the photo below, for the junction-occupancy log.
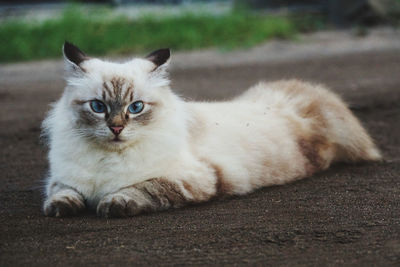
(159, 57)
(73, 57)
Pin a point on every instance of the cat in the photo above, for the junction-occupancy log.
(122, 143)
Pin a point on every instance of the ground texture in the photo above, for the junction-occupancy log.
(349, 214)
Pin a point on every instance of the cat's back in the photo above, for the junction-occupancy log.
(272, 102)
(286, 93)
(265, 106)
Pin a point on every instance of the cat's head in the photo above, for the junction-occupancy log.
(115, 104)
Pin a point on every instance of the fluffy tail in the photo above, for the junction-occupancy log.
(325, 113)
(353, 142)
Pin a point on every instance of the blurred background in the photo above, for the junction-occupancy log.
(35, 29)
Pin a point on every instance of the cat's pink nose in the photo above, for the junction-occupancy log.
(116, 129)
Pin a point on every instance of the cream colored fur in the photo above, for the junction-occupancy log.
(262, 137)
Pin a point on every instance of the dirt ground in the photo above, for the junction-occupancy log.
(349, 214)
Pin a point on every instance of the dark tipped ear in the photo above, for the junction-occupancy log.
(73, 53)
(159, 57)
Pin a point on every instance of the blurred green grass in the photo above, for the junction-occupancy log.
(99, 33)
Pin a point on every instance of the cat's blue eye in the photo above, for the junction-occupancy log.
(136, 107)
(98, 106)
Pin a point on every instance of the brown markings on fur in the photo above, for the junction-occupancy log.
(144, 118)
(314, 144)
(310, 139)
(87, 117)
(117, 120)
(64, 207)
(311, 124)
(117, 209)
(196, 194)
(312, 148)
(313, 111)
(222, 186)
(75, 203)
(117, 83)
(117, 86)
(172, 192)
(79, 102)
(295, 125)
(128, 92)
(108, 90)
(163, 192)
(154, 195)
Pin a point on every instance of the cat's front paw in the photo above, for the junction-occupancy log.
(151, 195)
(117, 205)
(63, 206)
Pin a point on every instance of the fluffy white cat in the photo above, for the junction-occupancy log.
(123, 143)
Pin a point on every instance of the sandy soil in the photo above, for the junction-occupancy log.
(349, 214)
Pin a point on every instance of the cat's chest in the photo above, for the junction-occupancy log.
(111, 167)
(95, 175)
(104, 172)
(96, 172)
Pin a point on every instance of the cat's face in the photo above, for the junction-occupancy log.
(114, 105)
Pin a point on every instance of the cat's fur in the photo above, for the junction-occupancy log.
(176, 152)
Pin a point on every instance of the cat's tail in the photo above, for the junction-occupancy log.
(325, 114)
(330, 114)
(353, 142)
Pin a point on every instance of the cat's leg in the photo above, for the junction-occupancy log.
(154, 195)
(62, 201)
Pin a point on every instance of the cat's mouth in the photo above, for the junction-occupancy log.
(116, 139)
